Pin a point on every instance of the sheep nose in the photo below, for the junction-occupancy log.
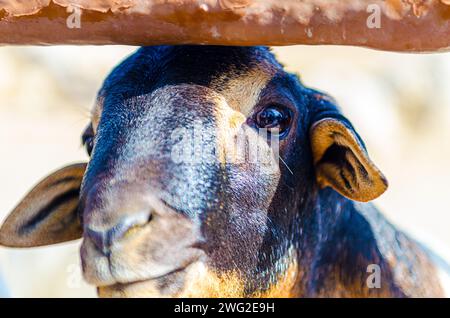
(105, 238)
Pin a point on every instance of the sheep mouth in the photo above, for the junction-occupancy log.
(165, 285)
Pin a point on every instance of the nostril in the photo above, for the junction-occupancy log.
(150, 217)
(100, 239)
(140, 219)
(131, 224)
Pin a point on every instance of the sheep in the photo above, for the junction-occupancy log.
(215, 173)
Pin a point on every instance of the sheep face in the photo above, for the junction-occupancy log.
(205, 164)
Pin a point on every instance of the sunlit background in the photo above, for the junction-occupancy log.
(399, 103)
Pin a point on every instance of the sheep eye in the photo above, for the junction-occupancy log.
(274, 118)
(88, 143)
(88, 139)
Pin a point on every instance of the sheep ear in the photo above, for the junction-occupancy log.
(342, 162)
(49, 212)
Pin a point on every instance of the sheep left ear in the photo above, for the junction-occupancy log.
(48, 213)
(342, 162)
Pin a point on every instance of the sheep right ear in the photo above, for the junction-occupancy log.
(49, 212)
(340, 158)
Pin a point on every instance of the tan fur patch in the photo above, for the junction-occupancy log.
(240, 144)
(205, 283)
(242, 93)
(229, 123)
(286, 285)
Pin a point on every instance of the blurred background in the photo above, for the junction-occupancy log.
(399, 103)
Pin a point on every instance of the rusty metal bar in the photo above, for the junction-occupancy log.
(394, 25)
